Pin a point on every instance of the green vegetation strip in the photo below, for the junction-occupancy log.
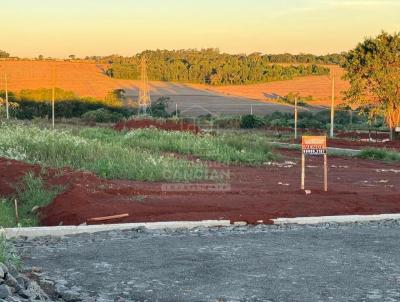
(30, 193)
(227, 148)
(8, 254)
(106, 158)
(138, 155)
(380, 154)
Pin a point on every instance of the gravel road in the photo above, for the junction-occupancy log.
(353, 262)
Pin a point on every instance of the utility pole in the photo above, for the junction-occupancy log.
(333, 104)
(176, 110)
(251, 109)
(7, 105)
(295, 118)
(53, 96)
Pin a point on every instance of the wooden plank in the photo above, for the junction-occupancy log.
(105, 218)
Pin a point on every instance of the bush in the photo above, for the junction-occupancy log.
(251, 121)
(8, 254)
(102, 116)
(159, 108)
(36, 103)
(380, 154)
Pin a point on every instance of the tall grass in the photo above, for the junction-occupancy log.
(8, 254)
(250, 149)
(380, 154)
(29, 193)
(106, 158)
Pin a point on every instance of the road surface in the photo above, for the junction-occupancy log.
(355, 262)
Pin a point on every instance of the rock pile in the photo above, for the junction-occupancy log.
(15, 287)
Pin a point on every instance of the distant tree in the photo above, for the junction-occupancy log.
(40, 57)
(72, 57)
(373, 69)
(209, 66)
(4, 54)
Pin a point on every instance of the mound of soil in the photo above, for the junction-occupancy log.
(165, 125)
(356, 186)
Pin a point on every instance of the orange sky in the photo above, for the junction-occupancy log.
(100, 27)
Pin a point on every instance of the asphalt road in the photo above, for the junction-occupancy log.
(300, 263)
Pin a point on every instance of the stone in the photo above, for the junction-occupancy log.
(2, 273)
(36, 269)
(70, 296)
(23, 294)
(4, 268)
(11, 282)
(23, 281)
(5, 291)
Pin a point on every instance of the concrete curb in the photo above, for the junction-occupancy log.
(332, 150)
(59, 231)
(335, 219)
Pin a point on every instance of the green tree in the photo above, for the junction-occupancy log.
(373, 69)
(4, 54)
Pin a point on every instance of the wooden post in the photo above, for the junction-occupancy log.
(333, 105)
(7, 104)
(251, 109)
(16, 211)
(303, 171)
(325, 172)
(53, 93)
(295, 118)
(176, 110)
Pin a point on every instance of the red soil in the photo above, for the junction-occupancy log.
(356, 186)
(165, 125)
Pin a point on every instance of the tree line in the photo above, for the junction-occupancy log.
(210, 66)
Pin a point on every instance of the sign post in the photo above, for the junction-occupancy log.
(314, 145)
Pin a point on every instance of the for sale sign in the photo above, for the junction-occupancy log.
(313, 145)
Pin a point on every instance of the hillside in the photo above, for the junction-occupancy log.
(319, 87)
(88, 79)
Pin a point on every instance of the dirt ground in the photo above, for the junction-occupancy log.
(253, 194)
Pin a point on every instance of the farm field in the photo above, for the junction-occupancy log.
(319, 87)
(88, 79)
(182, 176)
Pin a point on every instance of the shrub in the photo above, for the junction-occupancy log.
(251, 121)
(8, 254)
(102, 116)
(380, 154)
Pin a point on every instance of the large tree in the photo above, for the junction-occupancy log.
(373, 69)
(4, 54)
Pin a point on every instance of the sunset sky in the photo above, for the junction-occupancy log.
(59, 28)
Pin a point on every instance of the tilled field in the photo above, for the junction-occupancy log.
(253, 194)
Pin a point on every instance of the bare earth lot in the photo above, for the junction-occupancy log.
(255, 194)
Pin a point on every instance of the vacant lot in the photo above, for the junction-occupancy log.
(155, 175)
